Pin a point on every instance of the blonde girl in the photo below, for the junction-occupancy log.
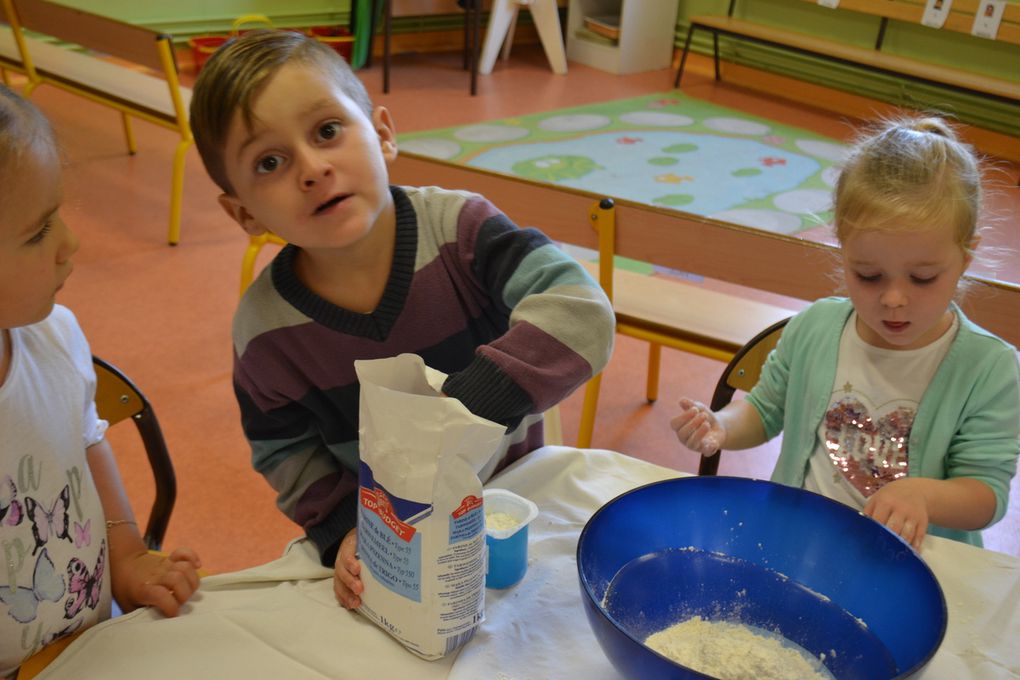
(890, 400)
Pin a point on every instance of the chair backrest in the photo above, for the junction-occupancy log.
(741, 373)
(118, 399)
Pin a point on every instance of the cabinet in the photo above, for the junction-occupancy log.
(647, 30)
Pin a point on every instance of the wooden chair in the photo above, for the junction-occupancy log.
(664, 313)
(741, 373)
(143, 85)
(117, 399)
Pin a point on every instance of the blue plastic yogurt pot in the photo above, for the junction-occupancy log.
(507, 516)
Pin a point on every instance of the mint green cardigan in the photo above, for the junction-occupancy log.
(967, 423)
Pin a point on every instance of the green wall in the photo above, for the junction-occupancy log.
(944, 47)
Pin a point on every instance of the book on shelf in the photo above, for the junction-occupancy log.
(606, 25)
(593, 37)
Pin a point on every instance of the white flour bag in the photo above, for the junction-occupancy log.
(421, 524)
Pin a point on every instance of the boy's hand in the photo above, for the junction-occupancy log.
(162, 581)
(347, 585)
(697, 428)
(903, 508)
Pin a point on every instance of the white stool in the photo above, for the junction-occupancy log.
(503, 17)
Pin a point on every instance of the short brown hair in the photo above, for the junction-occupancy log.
(232, 77)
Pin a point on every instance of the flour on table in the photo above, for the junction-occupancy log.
(732, 651)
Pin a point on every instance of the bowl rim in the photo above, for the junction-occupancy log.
(587, 588)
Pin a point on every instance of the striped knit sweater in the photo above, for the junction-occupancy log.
(517, 324)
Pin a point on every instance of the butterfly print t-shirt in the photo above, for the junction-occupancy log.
(863, 441)
(54, 578)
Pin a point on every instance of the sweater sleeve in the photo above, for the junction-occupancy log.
(312, 487)
(561, 325)
(986, 443)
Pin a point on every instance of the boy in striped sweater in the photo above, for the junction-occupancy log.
(288, 132)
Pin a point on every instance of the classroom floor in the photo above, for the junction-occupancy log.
(163, 314)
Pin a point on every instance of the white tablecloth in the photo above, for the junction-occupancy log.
(280, 620)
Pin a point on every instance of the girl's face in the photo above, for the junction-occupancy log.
(35, 244)
(901, 283)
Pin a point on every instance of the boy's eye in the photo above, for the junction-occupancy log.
(38, 236)
(329, 130)
(922, 280)
(868, 278)
(267, 164)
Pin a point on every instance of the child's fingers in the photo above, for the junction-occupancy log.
(186, 555)
(347, 588)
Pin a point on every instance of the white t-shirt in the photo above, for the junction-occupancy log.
(863, 441)
(54, 577)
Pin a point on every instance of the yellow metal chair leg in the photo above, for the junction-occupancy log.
(654, 361)
(588, 410)
(177, 191)
(129, 134)
(5, 77)
(251, 253)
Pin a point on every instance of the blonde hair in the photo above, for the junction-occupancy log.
(910, 173)
(233, 76)
(22, 127)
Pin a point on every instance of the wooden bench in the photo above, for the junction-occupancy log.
(143, 84)
(960, 19)
(776, 263)
(666, 313)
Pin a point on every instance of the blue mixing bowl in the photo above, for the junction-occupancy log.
(725, 548)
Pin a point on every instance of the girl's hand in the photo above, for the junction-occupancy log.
(903, 508)
(162, 581)
(697, 428)
(347, 585)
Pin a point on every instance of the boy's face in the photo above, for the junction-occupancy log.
(35, 244)
(313, 168)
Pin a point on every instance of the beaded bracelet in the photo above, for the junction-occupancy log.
(110, 523)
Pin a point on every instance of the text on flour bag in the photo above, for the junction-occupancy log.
(421, 525)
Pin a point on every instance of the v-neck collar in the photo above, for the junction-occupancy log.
(377, 324)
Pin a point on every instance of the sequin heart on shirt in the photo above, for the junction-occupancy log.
(869, 452)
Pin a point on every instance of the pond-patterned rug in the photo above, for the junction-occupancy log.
(663, 149)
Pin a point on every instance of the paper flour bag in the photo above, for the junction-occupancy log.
(421, 525)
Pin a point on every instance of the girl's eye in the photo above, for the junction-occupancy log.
(923, 281)
(41, 234)
(869, 278)
(328, 131)
(267, 164)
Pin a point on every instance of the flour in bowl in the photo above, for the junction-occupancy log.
(732, 651)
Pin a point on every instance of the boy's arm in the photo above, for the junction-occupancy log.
(561, 325)
(313, 489)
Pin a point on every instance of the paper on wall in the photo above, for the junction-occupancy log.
(987, 18)
(421, 524)
(935, 13)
